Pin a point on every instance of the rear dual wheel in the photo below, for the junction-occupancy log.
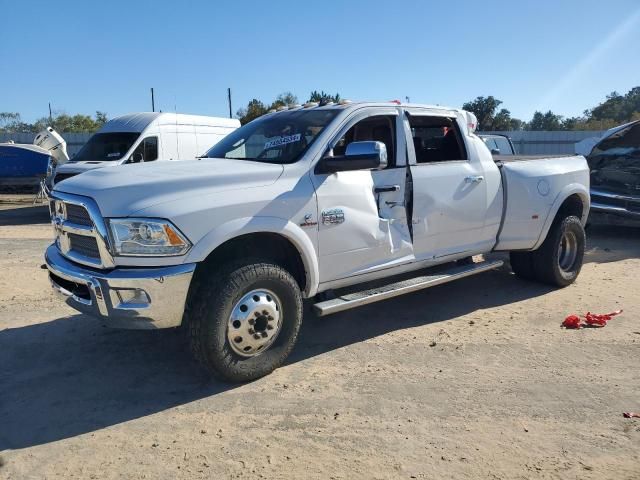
(559, 259)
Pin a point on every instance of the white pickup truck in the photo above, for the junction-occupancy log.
(333, 203)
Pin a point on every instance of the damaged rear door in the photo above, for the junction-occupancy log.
(361, 214)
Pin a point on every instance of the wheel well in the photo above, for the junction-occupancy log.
(266, 246)
(572, 205)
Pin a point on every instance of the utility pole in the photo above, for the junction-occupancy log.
(229, 96)
(153, 102)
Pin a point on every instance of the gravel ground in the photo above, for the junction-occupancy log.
(471, 380)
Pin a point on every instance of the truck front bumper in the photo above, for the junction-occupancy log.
(137, 298)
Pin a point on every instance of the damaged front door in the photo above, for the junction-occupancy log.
(362, 215)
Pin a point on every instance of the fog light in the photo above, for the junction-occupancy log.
(133, 298)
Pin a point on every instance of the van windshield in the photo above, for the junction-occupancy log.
(106, 147)
(279, 138)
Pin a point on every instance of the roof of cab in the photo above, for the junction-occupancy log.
(137, 122)
(352, 105)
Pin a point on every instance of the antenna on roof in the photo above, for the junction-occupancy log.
(153, 102)
(229, 96)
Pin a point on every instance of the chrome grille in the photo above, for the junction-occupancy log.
(86, 246)
(80, 231)
(78, 214)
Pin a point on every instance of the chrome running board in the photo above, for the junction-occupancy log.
(357, 299)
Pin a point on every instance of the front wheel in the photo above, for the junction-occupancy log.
(243, 321)
(559, 259)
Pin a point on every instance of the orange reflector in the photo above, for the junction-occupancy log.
(173, 237)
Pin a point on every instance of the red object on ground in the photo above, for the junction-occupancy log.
(572, 321)
(630, 415)
(594, 319)
(591, 320)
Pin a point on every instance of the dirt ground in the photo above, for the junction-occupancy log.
(471, 380)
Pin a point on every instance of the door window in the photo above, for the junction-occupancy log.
(504, 146)
(379, 128)
(148, 148)
(436, 139)
(490, 143)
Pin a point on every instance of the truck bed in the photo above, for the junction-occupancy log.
(522, 158)
(531, 190)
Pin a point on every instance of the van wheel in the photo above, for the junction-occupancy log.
(522, 264)
(243, 320)
(559, 259)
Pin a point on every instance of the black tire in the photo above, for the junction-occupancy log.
(522, 264)
(210, 307)
(547, 259)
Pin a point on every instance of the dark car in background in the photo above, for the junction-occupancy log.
(614, 163)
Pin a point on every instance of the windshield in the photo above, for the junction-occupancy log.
(106, 147)
(279, 138)
(626, 142)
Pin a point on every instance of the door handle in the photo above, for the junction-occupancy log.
(474, 179)
(387, 188)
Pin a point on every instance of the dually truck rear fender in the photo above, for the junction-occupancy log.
(255, 225)
(565, 193)
(535, 191)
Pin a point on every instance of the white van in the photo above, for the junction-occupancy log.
(147, 137)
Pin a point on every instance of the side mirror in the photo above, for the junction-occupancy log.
(495, 151)
(137, 158)
(369, 155)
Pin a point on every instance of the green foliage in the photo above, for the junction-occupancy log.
(615, 110)
(256, 108)
(489, 118)
(12, 123)
(283, 100)
(545, 121)
(323, 97)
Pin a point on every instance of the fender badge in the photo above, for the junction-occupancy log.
(333, 216)
(308, 221)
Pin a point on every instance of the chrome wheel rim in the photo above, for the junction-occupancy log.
(254, 323)
(568, 251)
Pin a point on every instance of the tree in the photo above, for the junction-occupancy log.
(502, 120)
(101, 118)
(545, 121)
(283, 100)
(254, 109)
(323, 97)
(8, 121)
(485, 109)
(620, 108)
(11, 122)
(516, 124)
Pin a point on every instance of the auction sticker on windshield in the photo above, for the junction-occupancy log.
(283, 141)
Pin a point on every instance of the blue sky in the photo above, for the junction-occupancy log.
(85, 56)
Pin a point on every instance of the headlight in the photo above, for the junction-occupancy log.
(143, 236)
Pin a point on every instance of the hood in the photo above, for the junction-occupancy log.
(614, 162)
(124, 190)
(80, 167)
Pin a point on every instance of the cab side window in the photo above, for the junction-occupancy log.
(379, 128)
(436, 139)
(148, 148)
